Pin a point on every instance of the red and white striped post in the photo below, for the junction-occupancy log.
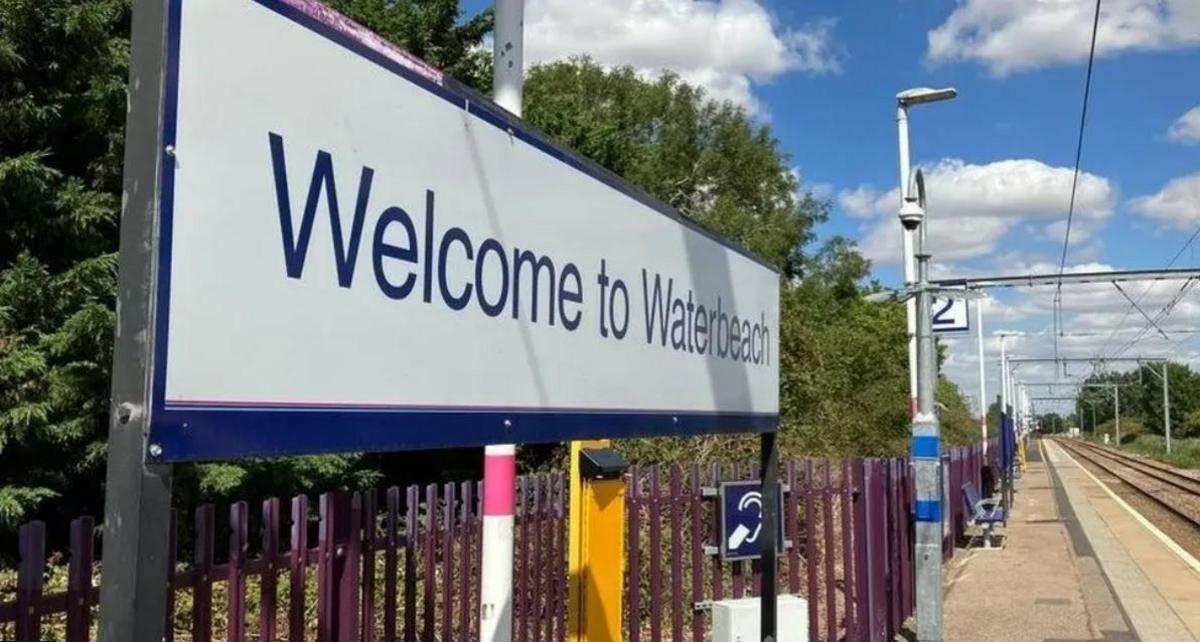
(496, 566)
(500, 462)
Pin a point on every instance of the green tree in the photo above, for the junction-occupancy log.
(63, 70)
(432, 30)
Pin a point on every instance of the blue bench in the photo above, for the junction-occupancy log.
(984, 513)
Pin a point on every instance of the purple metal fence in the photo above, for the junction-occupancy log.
(405, 565)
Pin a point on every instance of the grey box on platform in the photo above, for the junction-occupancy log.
(738, 620)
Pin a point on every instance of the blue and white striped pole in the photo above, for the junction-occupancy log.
(927, 468)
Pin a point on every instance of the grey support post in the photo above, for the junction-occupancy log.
(926, 454)
(770, 497)
(133, 596)
(1167, 405)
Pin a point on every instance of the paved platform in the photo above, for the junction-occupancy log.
(1078, 565)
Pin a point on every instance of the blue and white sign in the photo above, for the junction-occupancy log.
(950, 315)
(742, 518)
(356, 253)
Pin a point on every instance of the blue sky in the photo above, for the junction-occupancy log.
(824, 74)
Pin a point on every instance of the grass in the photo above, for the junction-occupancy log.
(1185, 453)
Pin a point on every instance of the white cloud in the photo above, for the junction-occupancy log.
(726, 46)
(972, 207)
(1186, 128)
(1015, 35)
(1177, 204)
(860, 202)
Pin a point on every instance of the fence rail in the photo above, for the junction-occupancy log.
(403, 564)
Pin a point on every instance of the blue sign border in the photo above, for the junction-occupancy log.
(211, 432)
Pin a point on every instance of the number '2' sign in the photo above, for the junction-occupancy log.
(950, 315)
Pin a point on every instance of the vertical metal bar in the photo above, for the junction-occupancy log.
(410, 563)
(633, 539)
(270, 575)
(31, 540)
(448, 501)
(348, 567)
(172, 552)
(831, 624)
(848, 575)
(879, 583)
(752, 472)
(137, 498)
(534, 570)
(298, 569)
(812, 567)
(792, 520)
(862, 590)
(521, 598)
(477, 533)
(718, 579)
(202, 563)
(656, 610)
(896, 509)
(696, 538)
(738, 581)
(235, 579)
(769, 462)
(676, 517)
(560, 557)
(326, 614)
(79, 579)
(390, 565)
(428, 632)
(370, 508)
(466, 574)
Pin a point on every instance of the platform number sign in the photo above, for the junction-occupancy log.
(950, 315)
(742, 518)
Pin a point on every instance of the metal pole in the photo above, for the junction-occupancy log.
(907, 240)
(926, 452)
(496, 559)
(1167, 405)
(983, 403)
(1004, 418)
(769, 461)
(1117, 412)
(137, 496)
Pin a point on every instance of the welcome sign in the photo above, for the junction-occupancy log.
(355, 253)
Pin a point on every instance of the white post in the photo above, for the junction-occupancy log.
(1167, 405)
(1117, 411)
(983, 400)
(499, 462)
(496, 565)
(909, 260)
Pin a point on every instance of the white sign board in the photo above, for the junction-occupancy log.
(358, 254)
(950, 315)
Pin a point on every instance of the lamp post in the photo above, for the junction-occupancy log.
(904, 100)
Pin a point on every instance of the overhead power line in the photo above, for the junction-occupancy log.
(1087, 90)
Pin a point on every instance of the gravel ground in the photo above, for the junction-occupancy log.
(1185, 534)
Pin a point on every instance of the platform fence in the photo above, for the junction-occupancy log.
(402, 564)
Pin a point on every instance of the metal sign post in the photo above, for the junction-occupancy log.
(769, 465)
(137, 496)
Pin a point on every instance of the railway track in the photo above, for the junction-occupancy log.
(1177, 492)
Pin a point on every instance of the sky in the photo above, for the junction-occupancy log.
(998, 159)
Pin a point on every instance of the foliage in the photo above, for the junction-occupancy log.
(62, 99)
(62, 96)
(63, 68)
(1185, 453)
(1141, 399)
(432, 30)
